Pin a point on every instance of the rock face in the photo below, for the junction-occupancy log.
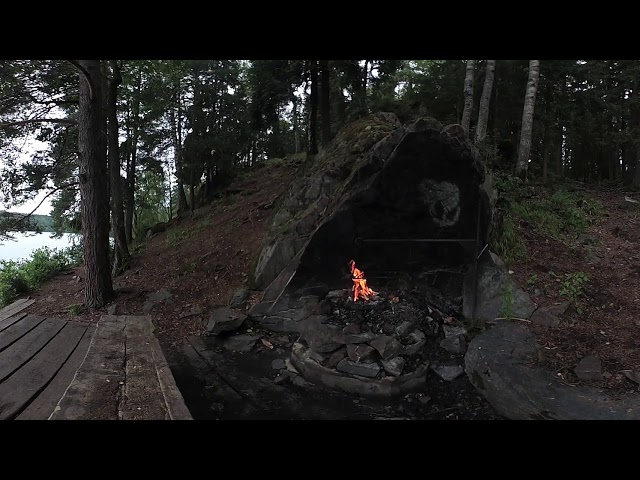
(224, 320)
(496, 292)
(428, 182)
(501, 364)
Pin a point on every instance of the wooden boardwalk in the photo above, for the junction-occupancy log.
(58, 369)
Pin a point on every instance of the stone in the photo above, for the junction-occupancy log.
(111, 309)
(282, 378)
(589, 368)
(387, 346)
(318, 357)
(418, 340)
(502, 364)
(336, 357)
(454, 344)
(359, 164)
(240, 343)
(360, 353)
(338, 294)
(448, 372)
(385, 387)
(239, 298)
(560, 308)
(299, 381)
(494, 285)
(405, 328)
(393, 366)
(351, 329)
(632, 375)
(224, 320)
(278, 364)
(193, 312)
(363, 369)
(453, 330)
(162, 295)
(543, 316)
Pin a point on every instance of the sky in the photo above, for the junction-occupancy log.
(45, 208)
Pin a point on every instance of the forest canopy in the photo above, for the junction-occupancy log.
(130, 144)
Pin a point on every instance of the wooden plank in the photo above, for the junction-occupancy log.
(95, 391)
(18, 330)
(22, 387)
(15, 307)
(7, 322)
(176, 406)
(44, 404)
(19, 353)
(143, 398)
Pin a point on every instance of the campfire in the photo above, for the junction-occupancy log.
(360, 288)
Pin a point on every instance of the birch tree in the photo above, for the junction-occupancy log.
(468, 95)
(527, 119)
(485, 100)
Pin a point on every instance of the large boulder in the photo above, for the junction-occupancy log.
(377, 179)
(495, 294)
(503, 364)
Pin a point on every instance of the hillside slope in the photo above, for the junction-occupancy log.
(202, 260)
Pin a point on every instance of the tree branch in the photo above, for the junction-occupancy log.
(67, 121)
(85, 74)
(27, 215)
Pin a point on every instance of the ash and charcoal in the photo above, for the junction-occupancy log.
(393, 339)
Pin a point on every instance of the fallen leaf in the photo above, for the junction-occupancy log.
(448, 320)
(394, 299)
(266, 343)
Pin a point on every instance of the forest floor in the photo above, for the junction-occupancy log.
(204, 258)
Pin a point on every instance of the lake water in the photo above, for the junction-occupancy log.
(25, 243)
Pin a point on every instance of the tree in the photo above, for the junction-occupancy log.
(468, 95)
(483, 114)
(121, 254)
(94, 185)
(527, 119)
(325, 102)
(313, 114)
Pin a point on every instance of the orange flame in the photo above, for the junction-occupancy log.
(360, 288)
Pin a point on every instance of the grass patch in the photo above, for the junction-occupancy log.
(22, 277)
(561, 215)
(176, 236)
(76, 309)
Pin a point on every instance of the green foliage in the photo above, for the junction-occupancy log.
(508, 302)
(531, 281)
(20, 278)
(76, 309)
(506, 241)
(572, 288)
(176, 236)
(561, 215)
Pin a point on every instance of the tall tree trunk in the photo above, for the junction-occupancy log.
(94, 190)
(131, 170)
(325, 105)
(485, 101)
(527, 119)
(176, 134)
(296, 129)
(468, 95)
(192, 192)
(313, 115)
(121, 252)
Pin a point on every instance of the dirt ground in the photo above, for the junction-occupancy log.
(203, 259)
(608, 326)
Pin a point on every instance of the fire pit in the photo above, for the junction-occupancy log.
(412, 211)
